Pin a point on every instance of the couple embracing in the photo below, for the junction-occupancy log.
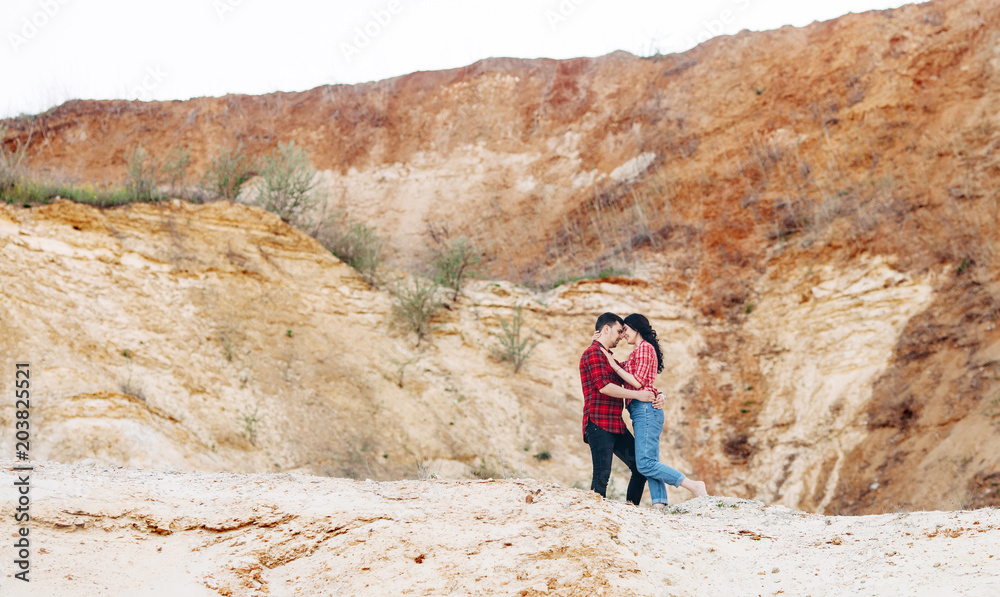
(608, 387)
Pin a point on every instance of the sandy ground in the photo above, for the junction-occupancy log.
(121, 531)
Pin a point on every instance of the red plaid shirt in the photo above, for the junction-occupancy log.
(595, 373)
(642, 365)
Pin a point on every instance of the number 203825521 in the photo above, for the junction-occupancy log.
(22, 395)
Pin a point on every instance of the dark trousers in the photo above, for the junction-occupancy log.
(604, 445)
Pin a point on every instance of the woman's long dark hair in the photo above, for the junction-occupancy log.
(640, 324)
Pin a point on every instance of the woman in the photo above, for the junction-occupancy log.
(640, 371)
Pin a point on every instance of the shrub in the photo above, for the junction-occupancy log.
(513, 348)
(414, 304)
(249, 419)
(286, 182)
(401, 369)
(354, 243)
(230, 170)
(140, 176)
(10, 162)
(229, 334)
(486, 471)
(453, 263)
(175, 167)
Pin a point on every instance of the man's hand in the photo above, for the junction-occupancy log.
(658, 401)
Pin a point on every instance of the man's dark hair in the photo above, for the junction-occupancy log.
(606, 319)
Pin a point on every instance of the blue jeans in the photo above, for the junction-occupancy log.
(647, 423)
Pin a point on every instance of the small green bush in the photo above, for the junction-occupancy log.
(453, 263)
(140, 175)
(175, 167)
(486, 471)
(286, 182)
(249, 419)
(514, 348)
(401, 369)
(356, 244)
(231, 168)
(11, 162)
(414, 304)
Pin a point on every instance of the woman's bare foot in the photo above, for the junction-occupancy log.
(696, 487)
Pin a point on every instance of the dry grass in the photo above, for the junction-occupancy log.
(355, 243)
(513, 345)
(12, 156)
(607, 231)
(414, 303)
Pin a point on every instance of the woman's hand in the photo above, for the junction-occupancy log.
(611, 359)
(659, 400)
(595, 336)
(625, 375)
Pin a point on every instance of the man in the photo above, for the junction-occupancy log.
(603, 399)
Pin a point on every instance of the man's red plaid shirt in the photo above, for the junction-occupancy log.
(595, 373)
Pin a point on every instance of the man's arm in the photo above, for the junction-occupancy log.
(616, 391)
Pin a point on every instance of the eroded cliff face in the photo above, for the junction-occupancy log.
(217, 337)
(808, 216)
(828, 334)
(240, 344)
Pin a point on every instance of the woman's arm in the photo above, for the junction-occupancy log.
(624, 393)
(642, 364)
(622, 373)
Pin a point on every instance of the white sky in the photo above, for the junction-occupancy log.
(54, 50)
